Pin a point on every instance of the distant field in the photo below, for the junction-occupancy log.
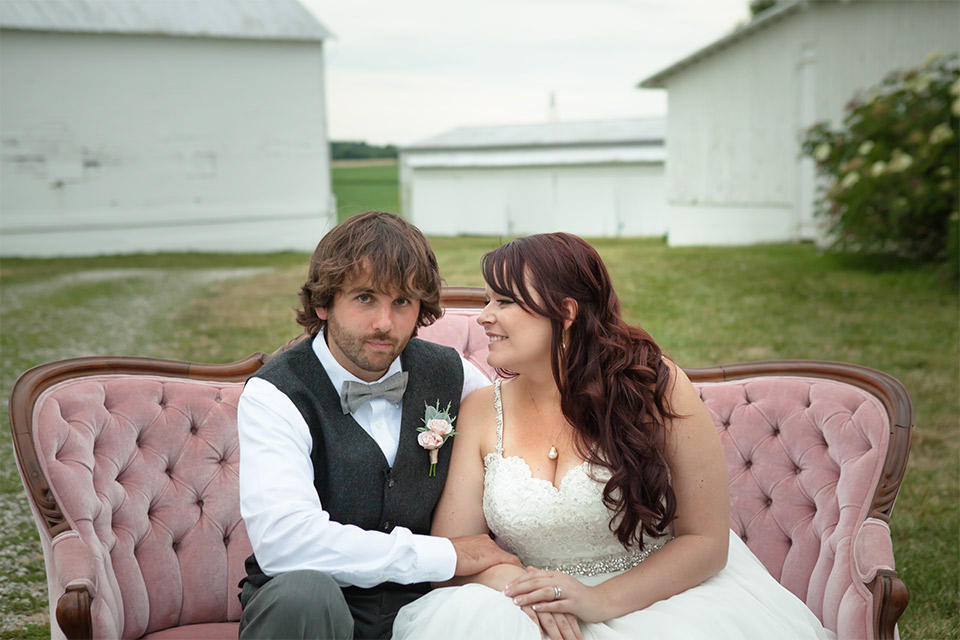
(366, 185)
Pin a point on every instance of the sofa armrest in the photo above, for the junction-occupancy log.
(873, 549)
(76, 572)
(874, 564)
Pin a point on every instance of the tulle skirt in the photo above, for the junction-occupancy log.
(742, 601)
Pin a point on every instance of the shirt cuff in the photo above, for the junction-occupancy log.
(437, 559)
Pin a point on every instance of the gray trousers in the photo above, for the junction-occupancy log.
(310, 604)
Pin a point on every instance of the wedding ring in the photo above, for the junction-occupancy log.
(556, 593)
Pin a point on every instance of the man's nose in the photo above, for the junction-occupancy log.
(383, 321)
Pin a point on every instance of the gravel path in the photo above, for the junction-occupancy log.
(94, 312)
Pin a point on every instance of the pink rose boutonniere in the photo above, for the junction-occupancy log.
(438, 426)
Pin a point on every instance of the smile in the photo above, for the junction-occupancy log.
(497, 338)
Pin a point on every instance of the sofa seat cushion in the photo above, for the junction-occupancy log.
(197, 632)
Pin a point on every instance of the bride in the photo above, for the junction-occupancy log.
(596, 463)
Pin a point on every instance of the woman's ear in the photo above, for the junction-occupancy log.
(570, 309)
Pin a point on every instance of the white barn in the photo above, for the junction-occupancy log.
(738, 107)
(161, 125)
(600, 178)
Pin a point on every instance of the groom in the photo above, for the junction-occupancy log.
(335, 489)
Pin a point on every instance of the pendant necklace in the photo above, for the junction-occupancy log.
(553, 454)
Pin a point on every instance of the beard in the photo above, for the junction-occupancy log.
(353, 346)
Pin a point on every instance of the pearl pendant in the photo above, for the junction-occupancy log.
(553, 453)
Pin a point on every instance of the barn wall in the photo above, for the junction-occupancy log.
(114, 144)
(736, 117)
(596, 200)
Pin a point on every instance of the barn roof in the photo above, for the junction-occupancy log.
(549, 134)
(771, 16)
(245, 19)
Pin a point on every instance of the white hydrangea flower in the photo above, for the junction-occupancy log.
(941, 133)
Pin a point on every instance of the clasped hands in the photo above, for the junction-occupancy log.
(536, 593)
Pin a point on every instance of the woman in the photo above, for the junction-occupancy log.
(597, 464)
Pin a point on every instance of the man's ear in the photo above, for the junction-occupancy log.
(570, 310)
(321, 313)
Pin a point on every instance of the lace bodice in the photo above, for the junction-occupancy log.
(565, 528)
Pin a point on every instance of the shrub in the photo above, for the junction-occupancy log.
(891, 171)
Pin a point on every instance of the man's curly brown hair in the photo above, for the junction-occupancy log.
(384, 246)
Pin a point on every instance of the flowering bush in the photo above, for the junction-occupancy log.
(892, 169)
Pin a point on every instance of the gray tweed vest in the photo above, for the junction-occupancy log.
(355, 483)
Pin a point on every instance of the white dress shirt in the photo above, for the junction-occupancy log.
(288, 528)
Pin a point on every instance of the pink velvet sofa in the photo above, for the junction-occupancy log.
(130, 465)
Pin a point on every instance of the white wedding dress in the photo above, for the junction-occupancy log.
(567, 529)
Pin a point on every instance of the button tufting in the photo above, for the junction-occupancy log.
(193, 429)
(200, 503)
(748, 464)
(796, 470)
(776, 431)
(769, 501)
(170, 471)
(226, 540)
(223, 461)
(744, 537)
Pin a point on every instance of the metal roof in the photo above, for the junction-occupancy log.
(245, 19)
(549, 134)
(765, 19)
(530, 157)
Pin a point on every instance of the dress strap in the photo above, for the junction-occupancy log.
(499, 405)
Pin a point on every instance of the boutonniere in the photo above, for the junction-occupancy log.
(437, 427)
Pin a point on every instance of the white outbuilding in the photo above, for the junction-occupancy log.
(599, 178)
(737, 109)
(162, 125)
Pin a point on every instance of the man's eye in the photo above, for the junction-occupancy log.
(363, 297)
(401, 302)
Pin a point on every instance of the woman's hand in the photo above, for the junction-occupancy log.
(558, 626)
(538, 590)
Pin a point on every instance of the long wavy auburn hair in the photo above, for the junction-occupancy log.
(611, 376)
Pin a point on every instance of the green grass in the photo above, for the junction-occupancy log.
(705, 306)
(366, 188)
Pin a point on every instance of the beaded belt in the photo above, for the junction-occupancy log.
(607, 565)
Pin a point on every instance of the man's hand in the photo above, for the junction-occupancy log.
(478, 553)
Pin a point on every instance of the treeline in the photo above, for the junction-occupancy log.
(360, 151)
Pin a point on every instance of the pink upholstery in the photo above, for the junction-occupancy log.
(804, 457)
(145, 472)
(144, 469)
(458, 328)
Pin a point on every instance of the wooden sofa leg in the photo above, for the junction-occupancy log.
(890, 597)
(73, 613)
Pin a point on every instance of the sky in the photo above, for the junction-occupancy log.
(403, 70)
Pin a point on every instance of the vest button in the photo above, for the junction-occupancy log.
(386, 526)
(391, 482)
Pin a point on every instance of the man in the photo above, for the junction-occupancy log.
(336, 492)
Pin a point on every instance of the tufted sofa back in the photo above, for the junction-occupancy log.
(145, 471)
(804, 456)
(133, 483)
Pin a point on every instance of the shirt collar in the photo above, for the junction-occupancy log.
(336, 372)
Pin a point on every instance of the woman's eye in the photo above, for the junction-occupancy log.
(505, 301)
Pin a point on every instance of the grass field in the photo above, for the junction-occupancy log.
(705, 306)
(365, 186)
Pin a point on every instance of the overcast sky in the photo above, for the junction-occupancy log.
(402, 70)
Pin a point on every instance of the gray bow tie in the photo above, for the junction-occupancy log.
(353, 394)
